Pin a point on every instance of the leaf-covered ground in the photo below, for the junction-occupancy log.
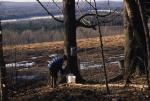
(83, 92)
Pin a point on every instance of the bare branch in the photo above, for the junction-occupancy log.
(101, 46)
(96, 9)
(81, 24)
(112, 19)
(88, 14)
(57, 6)
(83, 20)
(90, 4)
(49, 12)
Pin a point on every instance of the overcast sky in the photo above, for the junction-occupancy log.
(46, 0)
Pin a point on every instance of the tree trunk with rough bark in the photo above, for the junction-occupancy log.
(136, 46)
(128, 40)
(70, 38)
(146, 30)
(3, 85)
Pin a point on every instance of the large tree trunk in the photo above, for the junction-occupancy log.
(146, 30)
(3, 87)
(70, 38)
(135, 47)
(128, 30)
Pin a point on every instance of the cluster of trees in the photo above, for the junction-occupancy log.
(33, 25)
(50, 24)
(28, 37)
(46, 30)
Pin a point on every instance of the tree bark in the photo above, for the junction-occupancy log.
(3, 85)
(128, 41)
(135, 47)
(146, 30)
(70, 38)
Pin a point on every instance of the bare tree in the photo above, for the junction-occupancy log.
(3, 90)
(71, 23)
(70, 37)
(146, 30)
(137, 39)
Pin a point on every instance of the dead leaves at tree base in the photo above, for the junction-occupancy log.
(86, 92)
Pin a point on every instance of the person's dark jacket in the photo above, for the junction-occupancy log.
(56, 64)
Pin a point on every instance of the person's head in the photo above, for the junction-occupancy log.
(65, 62)
(65, 57)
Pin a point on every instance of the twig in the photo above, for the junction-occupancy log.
(49, 12)
(101, 46)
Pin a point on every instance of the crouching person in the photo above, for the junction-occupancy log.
(55, 67)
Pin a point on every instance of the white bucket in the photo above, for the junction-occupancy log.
(71, 79)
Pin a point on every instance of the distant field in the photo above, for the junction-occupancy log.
(25, 52)
(82, 43)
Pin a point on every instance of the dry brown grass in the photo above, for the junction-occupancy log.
(117, 40)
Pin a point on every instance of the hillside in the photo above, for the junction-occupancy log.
(15, 10)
